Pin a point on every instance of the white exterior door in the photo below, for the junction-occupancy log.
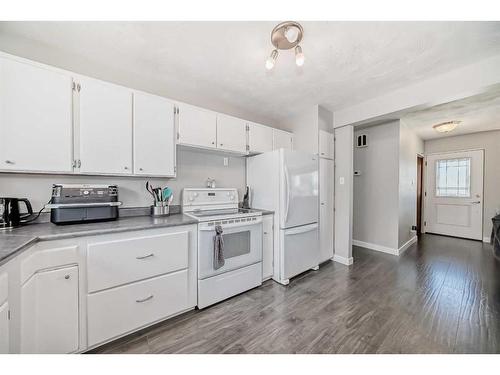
(154, 135)
(454, 194)
(299, 176)
(197, 126)
(231, 134)
(35, 118)
(50, 313)
(326, 214)
(260, 138)
(105, 141)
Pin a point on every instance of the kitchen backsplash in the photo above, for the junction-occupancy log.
(193, 169)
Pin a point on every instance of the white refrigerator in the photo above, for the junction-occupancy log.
(287, 182)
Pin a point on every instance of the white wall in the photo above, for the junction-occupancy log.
(490, 142)
(343, 194)
(385, 195)
(193, 168)
(410, 145)
(376, 190)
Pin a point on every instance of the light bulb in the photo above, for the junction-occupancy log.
(271, 60)
(299, 56)
(291, 34)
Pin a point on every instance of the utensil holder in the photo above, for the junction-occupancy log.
(160, 209)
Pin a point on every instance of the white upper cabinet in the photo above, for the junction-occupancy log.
(154, 135)
(260, 138)
(231, 133)
(282, 139)
(35, 118)
(105, 123)
(326, 145)
(197, 126)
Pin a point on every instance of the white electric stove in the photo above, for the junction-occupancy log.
(242, 236)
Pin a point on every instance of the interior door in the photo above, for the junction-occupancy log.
(197, 126)
(300, 180)
(231, 134)
(154, 135)
(454, 194)
(49, 312)
(326, 177)
(105, 128)
(35, 118)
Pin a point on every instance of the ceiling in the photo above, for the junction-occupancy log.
(220, 65)
(477, 113)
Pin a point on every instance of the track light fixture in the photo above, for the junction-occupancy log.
(286, 35)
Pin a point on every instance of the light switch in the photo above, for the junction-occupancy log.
(341, 180)
(226, 162)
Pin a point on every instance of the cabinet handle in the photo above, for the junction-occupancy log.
(213, 143)
(144, 299)
(265, 232)
(125, 167)
(10, 162)
(66, 277)
(140, 169)
(145, 256)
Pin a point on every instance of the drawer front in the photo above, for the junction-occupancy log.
(117, 311)
(117, 262)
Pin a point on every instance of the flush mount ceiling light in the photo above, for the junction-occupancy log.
(286, 35)
(446, 127)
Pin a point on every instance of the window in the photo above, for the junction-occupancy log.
(453, 177)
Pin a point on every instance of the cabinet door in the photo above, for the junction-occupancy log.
(105, 141)
(326, 144)
(260, 138)
(4, 328)
(197, 126)
(282, 139)
(35, 118)
(231, 133)
(50, 312)
(154, 135)
(326, 214)
(267, 247)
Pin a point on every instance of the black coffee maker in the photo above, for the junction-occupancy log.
(10, 215)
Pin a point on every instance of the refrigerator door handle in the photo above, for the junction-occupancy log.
(287, 193)
(302, 229)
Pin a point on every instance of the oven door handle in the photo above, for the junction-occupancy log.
(230, 226)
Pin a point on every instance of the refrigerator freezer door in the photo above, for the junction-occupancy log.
(299, 189)
(300, 249)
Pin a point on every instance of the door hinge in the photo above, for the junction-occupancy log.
(425, 223)
(425, 194)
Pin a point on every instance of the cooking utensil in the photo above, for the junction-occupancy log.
(167, 192)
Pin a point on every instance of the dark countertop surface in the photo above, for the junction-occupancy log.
(13, 241)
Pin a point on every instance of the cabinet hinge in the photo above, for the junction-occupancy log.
(73, 86)
(425, 223)
(175, 169)
(8, 314)
(247, 127)
(426, 164)
(178, 135)
(425, 194)
(248, 148)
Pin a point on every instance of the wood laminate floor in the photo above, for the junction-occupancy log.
(441, 296)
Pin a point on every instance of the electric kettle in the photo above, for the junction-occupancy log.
(10, 215)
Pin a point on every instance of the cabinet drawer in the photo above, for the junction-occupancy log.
(117, 262)
(117, 311)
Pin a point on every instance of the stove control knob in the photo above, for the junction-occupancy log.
(85, 192)
(231, 197)
(195, 194)
(191, 197)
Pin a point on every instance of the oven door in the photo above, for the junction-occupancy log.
(242, 245)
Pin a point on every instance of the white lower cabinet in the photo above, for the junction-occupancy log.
(121, 310)
(4, 328)
(267, 247)
(50, 312)
(4, 314)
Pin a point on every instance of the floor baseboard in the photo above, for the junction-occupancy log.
(343, 260)
(385, 249)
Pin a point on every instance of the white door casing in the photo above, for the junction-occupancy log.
(454, 204)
